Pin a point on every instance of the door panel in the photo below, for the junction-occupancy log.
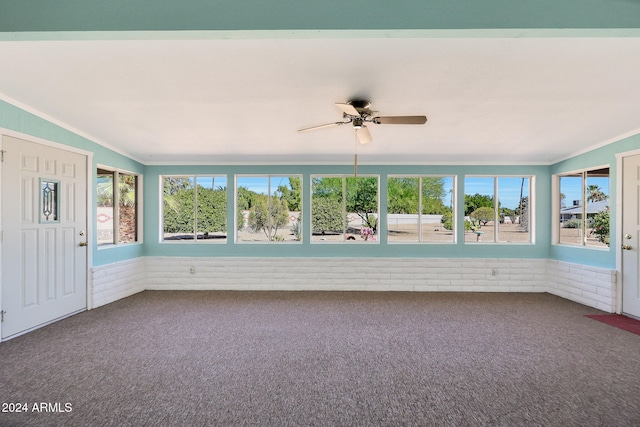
(44, 269)
(631, 235)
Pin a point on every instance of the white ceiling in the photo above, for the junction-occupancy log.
(488, 100)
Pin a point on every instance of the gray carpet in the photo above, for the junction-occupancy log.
(326, 359)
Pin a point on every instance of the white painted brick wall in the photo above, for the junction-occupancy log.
(367, 274)
(116, 281)
(591, 286)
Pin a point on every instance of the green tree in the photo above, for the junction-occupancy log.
(172, 186)
(323, 187)
(432, 194)
(268, 215)
(361, 196)
(292, 193)
(595, 194)
(126, 189)
(362, 199)
(246, 198)
(483, 215)
(402, 195)
(507, 212)
(476, 201)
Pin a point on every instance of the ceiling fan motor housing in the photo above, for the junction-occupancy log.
(360, 105)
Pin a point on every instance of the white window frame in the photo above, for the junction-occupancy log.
(344, 208)
(454, 208)
(235, 205)
(496, 209)
(556, 207)
(195, 240)
(116, 206)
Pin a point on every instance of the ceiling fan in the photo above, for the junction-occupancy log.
(358, 113)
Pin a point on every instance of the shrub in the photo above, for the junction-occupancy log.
(296, 228)
(600, 225)
(327, 215)
(212, 211)
(572, 223)
(268, 216)
(447, 221)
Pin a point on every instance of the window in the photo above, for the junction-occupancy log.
(194, 208)
(420, 209)
(117, 210)
(505, 218)
(49, 200)
(344, 208)
(584, 194)
(269, 208)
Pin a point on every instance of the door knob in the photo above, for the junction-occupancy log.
(626, 247)
(85, 244)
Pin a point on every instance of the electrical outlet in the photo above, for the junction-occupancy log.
(192, 270)
(494, 271)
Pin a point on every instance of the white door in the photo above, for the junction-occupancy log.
(631, 235)
(44, 223)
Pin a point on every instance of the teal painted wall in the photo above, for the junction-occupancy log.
(18, 120)
(601, 156)
(153, 15)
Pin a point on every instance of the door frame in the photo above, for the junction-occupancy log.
(89, 206)
(618, 231)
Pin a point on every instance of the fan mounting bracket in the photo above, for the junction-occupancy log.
(360, 104)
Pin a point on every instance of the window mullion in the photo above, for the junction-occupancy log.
(195, 208)
(116, 207)
(345, 224)
(269, 228)
(419, 209)
(583, 227)
(496, 209)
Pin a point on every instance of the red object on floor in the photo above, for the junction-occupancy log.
(623, 322)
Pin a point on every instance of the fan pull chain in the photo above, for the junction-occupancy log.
(355, 155)
(355, 165)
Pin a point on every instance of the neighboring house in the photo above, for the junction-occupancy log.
(575, 211)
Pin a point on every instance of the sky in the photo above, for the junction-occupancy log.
(260, 184)
(211, 181)
(508, 189)
(571, 187)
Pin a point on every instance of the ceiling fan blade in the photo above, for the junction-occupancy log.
(348, 109)
(322, 126)
(400, 120)
(363, 135)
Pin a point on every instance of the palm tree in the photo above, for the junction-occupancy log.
(126, 187)
(595, 194)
